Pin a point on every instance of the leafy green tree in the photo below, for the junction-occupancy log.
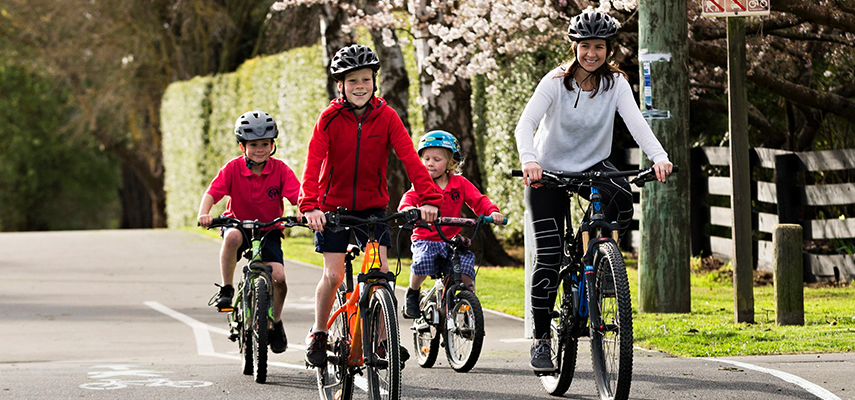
(48, 179)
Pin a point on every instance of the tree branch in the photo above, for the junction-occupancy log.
(820, 14)
(764, 78)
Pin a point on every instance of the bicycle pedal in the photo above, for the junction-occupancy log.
(546, 373)
(225, 310)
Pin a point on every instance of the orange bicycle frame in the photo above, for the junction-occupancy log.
(371, 260)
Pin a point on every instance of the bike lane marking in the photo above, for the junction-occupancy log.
(205, 346)
(811, 387)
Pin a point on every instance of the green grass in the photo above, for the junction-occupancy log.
(707, 331)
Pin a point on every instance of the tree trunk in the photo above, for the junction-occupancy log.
(332, 40)
(451, 110)
(136, 201)
(663, 261)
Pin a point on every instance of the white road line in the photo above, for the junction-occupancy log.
(205, 346)
(811, 387)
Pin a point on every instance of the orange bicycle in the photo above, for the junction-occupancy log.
(363, 327)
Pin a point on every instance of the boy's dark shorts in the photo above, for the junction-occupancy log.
(271, 246)
(328, 242)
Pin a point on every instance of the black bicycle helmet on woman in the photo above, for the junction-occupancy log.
(592, 25)
(254, 125)
(352, 58)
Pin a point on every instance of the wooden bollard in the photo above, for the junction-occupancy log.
(789, 281)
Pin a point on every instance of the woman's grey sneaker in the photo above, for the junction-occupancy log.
(223, 298)
(316, 350)
(278, 340)
(411, 309)
(541, 356)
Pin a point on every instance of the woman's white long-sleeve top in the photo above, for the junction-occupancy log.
(573, 137)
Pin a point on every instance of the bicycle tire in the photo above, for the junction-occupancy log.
(464, 340)
(244, 333)
(426, 336)
(566, 343)
(611, 346)
(260, 306)
(382, 335)
(335, 380)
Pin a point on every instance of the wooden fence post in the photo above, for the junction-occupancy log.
(789, 284)
(787, 187)
(700, 211)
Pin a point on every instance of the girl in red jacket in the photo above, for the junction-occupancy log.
(441, 156)
(346, 167)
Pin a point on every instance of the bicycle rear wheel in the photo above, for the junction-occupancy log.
(382, 337)
(611, 344)
(335, 380)
(565, 343)
(425, 335)
(260, 306)
(464, 334)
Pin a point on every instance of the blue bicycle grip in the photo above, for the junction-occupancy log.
(489, 220)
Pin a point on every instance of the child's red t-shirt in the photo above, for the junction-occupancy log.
(458, 192)
(254, 196)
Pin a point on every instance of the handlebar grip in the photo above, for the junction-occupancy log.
(516, 172)
(489, 220)
(675, 169)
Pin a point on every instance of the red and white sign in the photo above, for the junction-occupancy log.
(734, 8)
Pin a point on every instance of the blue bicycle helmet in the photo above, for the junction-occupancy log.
(440, 139)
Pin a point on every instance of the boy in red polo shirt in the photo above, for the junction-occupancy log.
(346, 167)
(256, 184)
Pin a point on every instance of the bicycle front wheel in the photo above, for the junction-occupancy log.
(464, 333)
(425, 335)
(565, 343)
(383, 341)
(244, 333)
(260, 306)
(335, 380)
(611, 343)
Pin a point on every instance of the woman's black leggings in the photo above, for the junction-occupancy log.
(548, 208)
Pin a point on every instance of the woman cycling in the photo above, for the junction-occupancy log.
(573, 109)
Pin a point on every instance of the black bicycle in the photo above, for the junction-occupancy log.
(450, 309)
(593, 291)
(363, 324)
(252, 312)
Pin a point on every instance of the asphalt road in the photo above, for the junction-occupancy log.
(123, 314)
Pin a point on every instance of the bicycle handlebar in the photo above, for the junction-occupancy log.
(641, 175)
(223, 221)
(337, 218)
(464, 223)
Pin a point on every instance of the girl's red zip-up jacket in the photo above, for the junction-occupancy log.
(347, 157)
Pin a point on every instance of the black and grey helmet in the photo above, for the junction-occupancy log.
(591, 25)
(351, 58)
(254, 125)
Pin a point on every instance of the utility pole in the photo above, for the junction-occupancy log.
(665, 251)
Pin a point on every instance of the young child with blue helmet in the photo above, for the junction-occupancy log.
(440, 154)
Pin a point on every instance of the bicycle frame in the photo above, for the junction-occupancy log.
(358, 296)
